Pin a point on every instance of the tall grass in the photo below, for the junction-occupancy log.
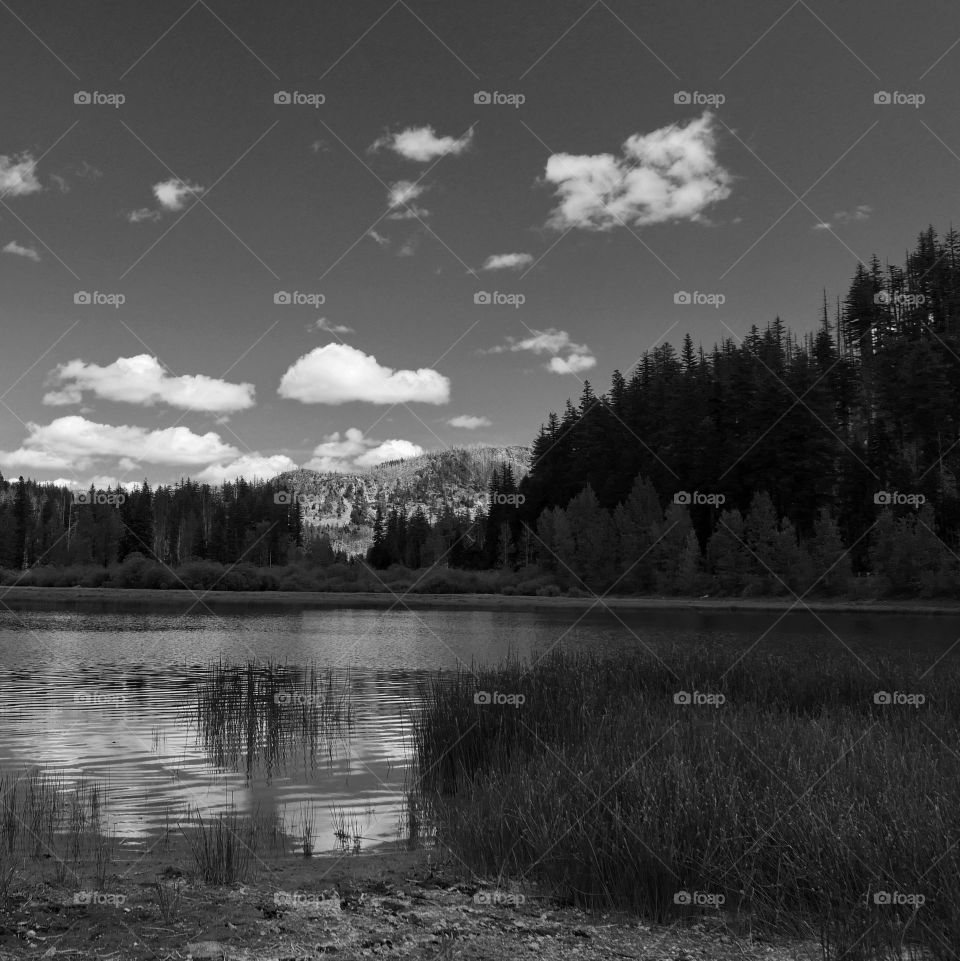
(796, 801)
(224, 847)
(261, 715)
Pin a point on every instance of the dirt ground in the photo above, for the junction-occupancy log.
(389, 904)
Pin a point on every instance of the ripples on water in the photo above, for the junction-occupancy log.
(120, 698)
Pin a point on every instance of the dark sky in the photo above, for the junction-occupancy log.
(187, 208)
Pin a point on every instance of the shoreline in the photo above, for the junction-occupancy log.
(99, 598)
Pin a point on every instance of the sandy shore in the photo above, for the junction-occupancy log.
(119, 599)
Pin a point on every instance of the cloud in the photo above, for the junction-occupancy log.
(422, 144)
(379, 238)
(669, 174)
(75, 443)
(469, 422)
(18, 175)
(142, 380)
(400, 199)
(577, 357)
(339, 373)
(859, 213)
(173, 194)
(247, 466)
(322, 325)
(144, 213)
(507, 261)
(353, 452)
(14, 248)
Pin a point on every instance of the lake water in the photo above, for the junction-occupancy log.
(114, 697)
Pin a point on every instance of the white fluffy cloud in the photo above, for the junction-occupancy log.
(18, 175)
(20, 251)
(423, 144)
(339, 373)
(248, 466)
(860, 212)
(669, 174)
(77, 443)
(401, 197)
(173, 194)
(567, 357)
(322, 325)
(142, 380)
(353, 452)
(469, 421)
(507, 262)
(144, 213)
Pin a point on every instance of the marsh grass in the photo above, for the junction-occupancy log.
(261, 716)
(42, 817)
(797, 800)
(224, 846)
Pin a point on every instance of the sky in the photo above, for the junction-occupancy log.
(241, 238)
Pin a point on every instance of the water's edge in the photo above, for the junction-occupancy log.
(118, 599)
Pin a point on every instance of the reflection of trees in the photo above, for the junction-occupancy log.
(264, 716)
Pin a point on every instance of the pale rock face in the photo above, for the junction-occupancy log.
(458, 477)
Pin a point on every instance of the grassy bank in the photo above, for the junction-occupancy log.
(134, 599)
(787, 795)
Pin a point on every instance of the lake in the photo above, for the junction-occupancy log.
(114, 696)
